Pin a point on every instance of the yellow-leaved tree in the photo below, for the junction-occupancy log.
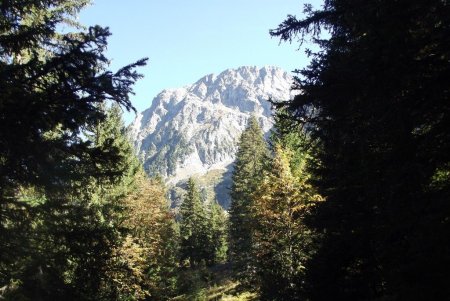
(149, 251)
(282, 242)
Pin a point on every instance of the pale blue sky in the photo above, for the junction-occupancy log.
(185, 40)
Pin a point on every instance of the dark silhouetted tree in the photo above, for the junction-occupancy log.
(376, 95)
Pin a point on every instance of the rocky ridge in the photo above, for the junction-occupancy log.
(194, 130)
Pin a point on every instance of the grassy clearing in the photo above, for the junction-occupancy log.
(212, 284)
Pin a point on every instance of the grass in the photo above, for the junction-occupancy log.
(213, 284)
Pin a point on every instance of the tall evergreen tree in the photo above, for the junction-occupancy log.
(103, 197)
(376, 97)
(54, 240)
(218, 232)
(247, 173)
(76, 229)
(47, 100)
(194, 232)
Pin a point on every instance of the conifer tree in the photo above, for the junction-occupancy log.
(56, 93)
(77, 229)
(50, 89)
(103, 194)
(376, 98)
(218, 232)
(292, 136)
(96, 208)
(194, 232)
(247, 173)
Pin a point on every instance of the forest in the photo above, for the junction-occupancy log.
(348, 199)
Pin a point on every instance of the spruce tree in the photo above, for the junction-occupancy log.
(89, 215)
(54, 239)
(194, 232)
(103, 195)
(46, 100)
(76, 229)
(376, 97)
(248, 169)
(218, 232)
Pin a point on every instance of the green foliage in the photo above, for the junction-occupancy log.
(218, 232)
(247, 173)
(99, 202)
(292, 136)
(213, 283)
(58, 212)
(282, 242)
(214, 186)
(74, 230)
(163, 156)
(193, 284)
(195, 245)
(376, 98)
(46, 101)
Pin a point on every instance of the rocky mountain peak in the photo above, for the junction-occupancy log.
(194, 130)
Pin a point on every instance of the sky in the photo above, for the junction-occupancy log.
(186, 40)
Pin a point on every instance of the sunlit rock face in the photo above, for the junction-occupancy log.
(194, 130)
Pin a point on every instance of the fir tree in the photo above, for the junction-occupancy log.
(77, 229)
(194, 232)
(47, 100)
(99, 198)
(247, 173)
(292, 136)
(55, 239)
(218, 232)
(376, 98)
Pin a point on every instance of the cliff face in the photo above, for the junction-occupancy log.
(194, 130)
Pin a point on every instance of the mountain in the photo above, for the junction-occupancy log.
(194, 130)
